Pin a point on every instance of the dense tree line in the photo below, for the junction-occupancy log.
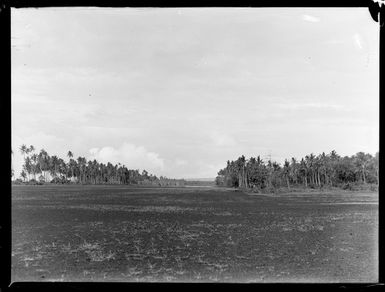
(42, 167)
(311, 171)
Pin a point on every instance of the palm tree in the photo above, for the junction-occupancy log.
(361, 161)
(34, 165)
(31, 149)
(12, 171)
(23, 175)
(333, 160)
(82, 169)
(43, 162)
(309, 159)
(23, 150)
(241, 171)
(62, 167)
(376, 164)
(270, 171)
(286, 172)
(304, 170)
(324, 161)
(317, 165)
(294, 170)
(28, 166)
(53, 166)
(70, 165)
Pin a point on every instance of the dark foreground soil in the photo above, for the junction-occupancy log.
(117, 233)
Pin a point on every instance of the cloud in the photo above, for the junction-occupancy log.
(132, 156)
(310, 18)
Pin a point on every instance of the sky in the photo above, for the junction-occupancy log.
(178, 92)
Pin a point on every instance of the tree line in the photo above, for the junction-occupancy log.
(310, 171)
(40, 167)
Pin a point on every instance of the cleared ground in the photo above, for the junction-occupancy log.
(119, 233)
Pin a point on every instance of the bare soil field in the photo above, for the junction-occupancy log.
(123, 233)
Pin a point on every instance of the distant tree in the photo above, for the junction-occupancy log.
(361, 161)
(82, 169)
(286, 172)
(294, 169)
(240, 166)
(41, 179)
(376, 160)
(54, 166)
(304, 171)
(23, 150)
(43, 162)
(323, 169)
(23, 175)
(34, 167)
(12, 171)
(28, 166)
(333, 161)
(31, 149)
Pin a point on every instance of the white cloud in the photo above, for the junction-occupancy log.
(310, 18)
(132, 156)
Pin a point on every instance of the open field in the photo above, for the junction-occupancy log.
(121, 233)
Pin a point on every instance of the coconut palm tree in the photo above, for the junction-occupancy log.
(294, 170)
(240, 164)
(361, 161)
(82, 164)
(23, 150)
(70, 155)
(28, 166)
(43, 162)
(333, 161)
(35, 168)
(286, 172)
(304, 171)
(376, 165)
(54, 165)
(31, 149)
(12, 171)
(23, 175)
(324, 161)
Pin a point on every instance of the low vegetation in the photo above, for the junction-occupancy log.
(129, 233)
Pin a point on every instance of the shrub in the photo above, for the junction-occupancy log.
(59, 180)
(32, 182)
(18, 181)
(347, 186)
(41, 179)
